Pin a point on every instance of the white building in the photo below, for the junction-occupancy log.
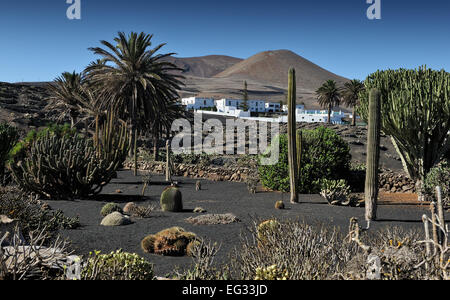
(272, 107)
(318, 116)
(298, 106)
(224, 105)
(197, 103)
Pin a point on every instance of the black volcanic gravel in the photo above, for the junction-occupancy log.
(216, 198)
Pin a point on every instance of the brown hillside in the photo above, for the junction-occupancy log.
(271, 67)
(204, 66)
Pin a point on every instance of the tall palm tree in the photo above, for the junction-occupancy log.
(350, 95)
(329, 96)
(64, 93)
(134, 80)
(162, 123)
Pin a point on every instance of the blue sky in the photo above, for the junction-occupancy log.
(38, 42)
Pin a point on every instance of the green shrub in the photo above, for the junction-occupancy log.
(110, 208)
(439, 176)
(58, 163)
(325, 155)
(117, 265)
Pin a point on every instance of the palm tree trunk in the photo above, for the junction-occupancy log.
(96, 138)
(135, 151)
(354, 116)
(155, 147)
(329, 114)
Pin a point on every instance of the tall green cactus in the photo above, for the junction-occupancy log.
(373, 154)
(68, 166)
(292, 147)
(416, 114)
(168, 163)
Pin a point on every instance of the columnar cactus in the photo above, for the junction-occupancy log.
(168, 162)
(415, 113)
(171, 200)
(292, 148)
(373, 154)
(63, 165)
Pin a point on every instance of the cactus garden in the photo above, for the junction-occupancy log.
(142, 165)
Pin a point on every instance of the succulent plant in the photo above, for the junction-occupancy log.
(60, 164)
(336, 192)
(373, 154)
(115, 219)
(292, 137)
(110, 208)
(279, 205)
(173, 241)
(171, 200)
(264, 228)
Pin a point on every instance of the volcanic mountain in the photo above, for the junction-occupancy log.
(204, 66)
(271, 67)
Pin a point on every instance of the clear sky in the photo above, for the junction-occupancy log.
(38, 41)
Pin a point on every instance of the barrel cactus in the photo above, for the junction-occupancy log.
(110, 208)
(171, 200)
(174, 241)
(264, 230)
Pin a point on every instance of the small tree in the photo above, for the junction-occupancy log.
(415, 112)
(350, 95)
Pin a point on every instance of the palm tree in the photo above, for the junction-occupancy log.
(163, 123)
(134, 80)
(329, 96)
(350, 95)
(64, 93)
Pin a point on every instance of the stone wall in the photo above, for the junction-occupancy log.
(390, 181)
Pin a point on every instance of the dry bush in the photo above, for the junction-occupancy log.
(203, 254)
(305, 252)
(31, 261)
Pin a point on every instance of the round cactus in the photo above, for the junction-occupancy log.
(110, 208)
(148, 244)
(173, 241)
(279, 205)
(265, 228)
(171, 200)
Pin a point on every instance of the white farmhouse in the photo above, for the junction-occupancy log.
(318, 116)
(298, 106)
(272, 107)
(197, 103)
(224, 105)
